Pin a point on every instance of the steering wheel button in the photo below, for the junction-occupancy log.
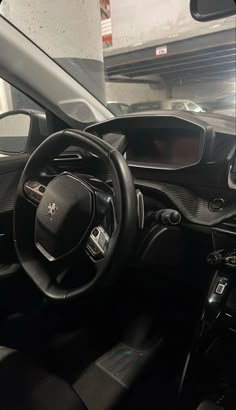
(102, 240)
(42, 189)
(93, 247)
(95, 232)
(33, 184)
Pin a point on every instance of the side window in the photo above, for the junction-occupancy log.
(14, 126)
(124, 108)
(192, 107)
(179, 106)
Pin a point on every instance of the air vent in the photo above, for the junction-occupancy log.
(64, 162)
(68, 157)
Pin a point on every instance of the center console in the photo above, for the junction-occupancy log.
(210, 369)
(220, 307)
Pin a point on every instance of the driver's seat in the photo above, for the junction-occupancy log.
(24, 385)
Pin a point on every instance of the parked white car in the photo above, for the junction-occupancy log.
(175, 104)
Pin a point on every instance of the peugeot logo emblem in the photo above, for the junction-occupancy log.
(52, 208)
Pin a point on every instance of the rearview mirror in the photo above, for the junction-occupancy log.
(14, 131)
(207, 10)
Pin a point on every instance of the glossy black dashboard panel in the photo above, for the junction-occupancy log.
(167, 141)
(179, 148)
(169, 148)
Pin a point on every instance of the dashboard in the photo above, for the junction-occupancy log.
(183, 162)
(169, 142)
(180, 161)
(187, 159)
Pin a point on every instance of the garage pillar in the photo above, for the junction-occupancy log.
(69, 31)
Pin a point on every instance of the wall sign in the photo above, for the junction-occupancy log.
(106, 25)
(160, 51)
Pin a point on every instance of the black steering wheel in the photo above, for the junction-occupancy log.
(74, 232)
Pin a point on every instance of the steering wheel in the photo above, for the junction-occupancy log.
(74, 232)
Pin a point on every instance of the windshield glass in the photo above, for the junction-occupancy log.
(136, 55)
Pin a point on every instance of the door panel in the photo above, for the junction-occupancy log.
(15, 287)
(10, 172)
(13, 281)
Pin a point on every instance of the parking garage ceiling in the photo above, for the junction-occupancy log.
(210, 56)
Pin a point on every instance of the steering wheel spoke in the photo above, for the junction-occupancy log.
(34, 191)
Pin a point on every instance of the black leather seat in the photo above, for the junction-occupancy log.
(24, 385)
(208, 405)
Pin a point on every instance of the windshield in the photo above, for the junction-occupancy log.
(136, 55)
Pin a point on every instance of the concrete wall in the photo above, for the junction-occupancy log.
(135, 22)
(63, 28)
(132, 93)
(204, 91)
(198, 92)
(5, 96)
(68, 30)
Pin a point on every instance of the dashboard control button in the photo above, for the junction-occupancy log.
(175, 218)
(215, 258)
(168, 217)
(223, 257)
(220, 288)
(217, 204)
(217, 289)
(230, 260)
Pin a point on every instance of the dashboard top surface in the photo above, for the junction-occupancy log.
(220, 123)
